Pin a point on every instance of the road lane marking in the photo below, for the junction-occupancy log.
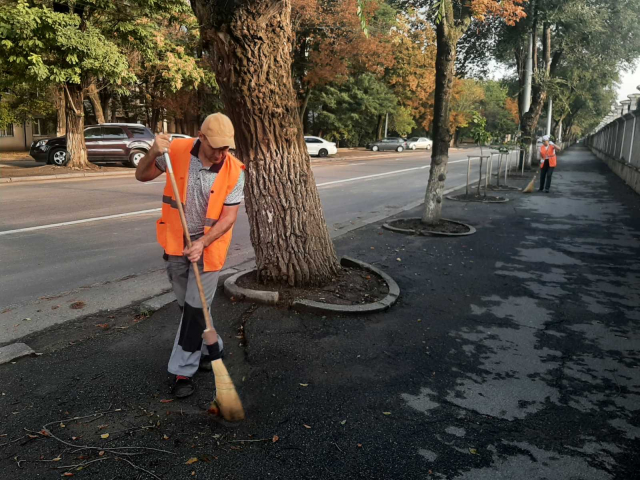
(375, 175)
(84, 220)
(154, 210)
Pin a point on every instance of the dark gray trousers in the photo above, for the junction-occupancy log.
(188, 346)
(546, 172)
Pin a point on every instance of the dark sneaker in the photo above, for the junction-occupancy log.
(183, 387)
(546, 191)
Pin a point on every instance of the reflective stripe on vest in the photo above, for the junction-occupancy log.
(169, 228)
(548, 154)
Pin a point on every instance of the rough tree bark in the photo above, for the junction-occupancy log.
(61, 117)
(251, 43)
(76, 148)
(94, 97)
(447, 36)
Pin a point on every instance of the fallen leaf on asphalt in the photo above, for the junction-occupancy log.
(76, 438)
(191, 460)
(473, 451)
(166, 400)
(62, 425)
(104, 435)
(55, 307)
(67, 474)
(57, 459)
(26, 319)
(386, 413)
(44, 433)
(101, 453)
(359, 445)
(305, 425)
(104, 326)
(77, 305)
(399, 259)
(100, 427)
(343, 422)
(275, 438)
(165, 437)
(193, 473)
(304, 384)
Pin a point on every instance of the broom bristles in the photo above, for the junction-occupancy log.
(529, 187)
(226, 395)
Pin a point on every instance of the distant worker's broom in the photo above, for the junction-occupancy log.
(530, 186)
(227, 402)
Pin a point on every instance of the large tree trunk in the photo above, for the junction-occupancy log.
(155, 118)
(76, 148)
(60, 103)
(538, 98)
(251, 45)
(94, 97)
(447, 36)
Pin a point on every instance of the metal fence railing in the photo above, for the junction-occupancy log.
(618, 136)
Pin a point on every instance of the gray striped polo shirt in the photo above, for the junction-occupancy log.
(199, 185)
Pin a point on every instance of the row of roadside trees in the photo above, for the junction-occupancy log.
(270, 62)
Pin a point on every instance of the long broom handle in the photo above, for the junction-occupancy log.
(183, 220)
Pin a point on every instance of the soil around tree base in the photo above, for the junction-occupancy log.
(474, 197)
(415, 226)
(351, 287)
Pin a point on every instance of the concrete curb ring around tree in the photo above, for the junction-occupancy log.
(271, 298)
(450, 197)
(410, 231)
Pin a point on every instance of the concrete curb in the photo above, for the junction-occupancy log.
(231, 289)
(13, 351)
(450, 197)
(154, 304)
(64, 176)
(410, 231)
(387, 302)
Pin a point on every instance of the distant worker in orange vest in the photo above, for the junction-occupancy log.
(211, 182)
(548, 161)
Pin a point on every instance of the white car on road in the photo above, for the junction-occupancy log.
(419, 142)
(320, 147)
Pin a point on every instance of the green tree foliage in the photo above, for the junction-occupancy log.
(349, 111)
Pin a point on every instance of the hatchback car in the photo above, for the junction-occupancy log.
(320, 147)
(391, 143)
(108, 142)
(419, 142)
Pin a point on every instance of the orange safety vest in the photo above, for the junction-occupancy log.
(548, 153)
(168, 227)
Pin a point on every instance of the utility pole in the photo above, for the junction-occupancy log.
(549, 115)
(386, 125)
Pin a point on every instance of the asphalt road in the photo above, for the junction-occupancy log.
(41, 254)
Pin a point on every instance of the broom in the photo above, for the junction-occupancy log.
(227, 401)
(529, 188)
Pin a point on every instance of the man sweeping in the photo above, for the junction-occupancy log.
(548, 160)
(211, 182)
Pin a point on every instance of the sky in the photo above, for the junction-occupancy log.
(629, 82)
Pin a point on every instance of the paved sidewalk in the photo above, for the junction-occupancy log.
(512, 353)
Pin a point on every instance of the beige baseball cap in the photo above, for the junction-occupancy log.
(219, 131)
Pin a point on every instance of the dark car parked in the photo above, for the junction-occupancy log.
(108, 142)
(389, 143)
